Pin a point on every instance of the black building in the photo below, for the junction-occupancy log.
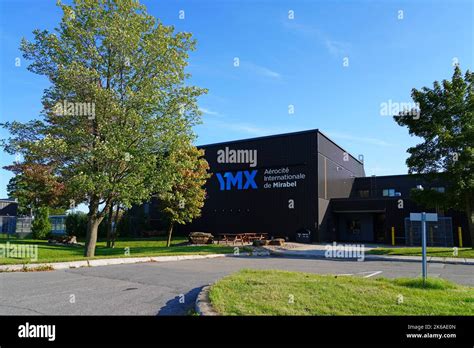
(303, 181)
(8, 207)
(8, 212)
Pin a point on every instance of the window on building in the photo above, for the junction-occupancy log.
(58, 224)
(364, 193)
(439, 189)
(388, 192)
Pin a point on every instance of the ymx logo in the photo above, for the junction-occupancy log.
(228, 180)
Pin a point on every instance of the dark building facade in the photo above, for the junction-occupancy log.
(303, 181)
(379, 204)
(8, 207)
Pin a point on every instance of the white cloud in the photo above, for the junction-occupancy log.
(243, 128)
(334, 47)
(207, 111)
(261, 70)
(337, 48)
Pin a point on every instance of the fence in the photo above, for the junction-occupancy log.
(21, 226)
(7, 224)
(438, 233)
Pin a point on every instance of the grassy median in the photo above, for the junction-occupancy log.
(256, 292)
(430, 251)
(123, 248)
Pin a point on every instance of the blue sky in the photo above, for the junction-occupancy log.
(283, 62)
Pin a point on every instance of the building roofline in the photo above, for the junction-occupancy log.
(315, 130)
(339, 146)
(261, 137)
(391, 176)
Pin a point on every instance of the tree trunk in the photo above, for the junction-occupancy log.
(170, 232)
(91, 239)
(114, 230)
(94, 220)
(470, 219)
(109, 225)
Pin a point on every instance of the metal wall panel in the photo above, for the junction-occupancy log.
(336, 172)
(265, 209)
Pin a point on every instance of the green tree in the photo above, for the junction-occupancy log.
(17, 188)
(118, 96)
(185, 195)
(41, 226)
(34, 186)
(446, 124)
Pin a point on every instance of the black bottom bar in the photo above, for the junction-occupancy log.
(224, 331)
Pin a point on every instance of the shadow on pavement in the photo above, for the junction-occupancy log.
(181, 304)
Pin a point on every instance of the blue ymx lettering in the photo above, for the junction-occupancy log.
(229, 180)
(250, 179)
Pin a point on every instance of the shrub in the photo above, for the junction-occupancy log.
(41, 226)
(76, 224)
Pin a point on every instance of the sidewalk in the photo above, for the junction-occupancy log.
(317, 251)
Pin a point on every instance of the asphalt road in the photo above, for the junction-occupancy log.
(170, 288)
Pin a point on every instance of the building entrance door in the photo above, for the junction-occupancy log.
(379, 228)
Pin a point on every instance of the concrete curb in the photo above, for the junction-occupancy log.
(120, 261)
(203, 304)
(432, 259)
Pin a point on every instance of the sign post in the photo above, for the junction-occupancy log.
(423, 246)
(423, 218)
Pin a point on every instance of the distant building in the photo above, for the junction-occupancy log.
(8, 211)
(300, 184)
(10, 223)
(8, 207)
(58, 224)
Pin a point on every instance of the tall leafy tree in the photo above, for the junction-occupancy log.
(117, 97)
(446, 124)
(184, 197)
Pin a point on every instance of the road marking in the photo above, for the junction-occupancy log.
(372, 274)
(344, 274)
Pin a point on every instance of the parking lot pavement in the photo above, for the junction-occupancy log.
(170, 288)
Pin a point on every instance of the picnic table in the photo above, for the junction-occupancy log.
(241, 237)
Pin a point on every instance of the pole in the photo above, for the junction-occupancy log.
(393, 235)
(460, 236)
(423, 245)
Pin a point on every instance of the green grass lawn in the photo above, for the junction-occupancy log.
(430, 251)
(256, 292)
(137, 247)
